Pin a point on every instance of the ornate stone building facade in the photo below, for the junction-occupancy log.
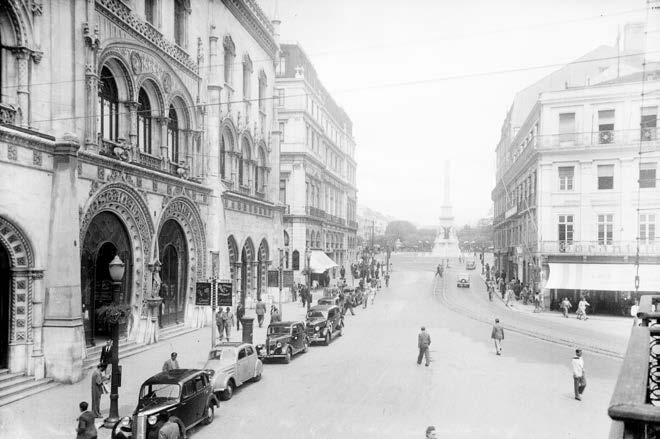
(318, 168)
(124, 133)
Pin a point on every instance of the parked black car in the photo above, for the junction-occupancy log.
(333, 300)
(185, 394)
(284, 340)
(323, 323)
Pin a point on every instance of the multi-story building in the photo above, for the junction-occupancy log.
(139, 129)
(317, 170)
(576, 181)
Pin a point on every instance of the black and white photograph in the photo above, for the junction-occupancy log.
(329, 219)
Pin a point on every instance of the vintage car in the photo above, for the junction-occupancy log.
(470, 265)
(323, 323)
(232, 364)
(333, 300)
(283, 340)
(463, 280)
(185, 394)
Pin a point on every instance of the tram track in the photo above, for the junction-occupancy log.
(477, 313)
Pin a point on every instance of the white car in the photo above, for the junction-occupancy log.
(463, 280)
(231, 365)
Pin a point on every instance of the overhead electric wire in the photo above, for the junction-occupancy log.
(391, 84)
(377, 46)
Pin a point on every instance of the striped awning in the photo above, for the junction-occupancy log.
(603, 277)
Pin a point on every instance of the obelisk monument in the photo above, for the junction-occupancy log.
(446, 242)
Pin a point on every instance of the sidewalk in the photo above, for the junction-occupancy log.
(57, 409)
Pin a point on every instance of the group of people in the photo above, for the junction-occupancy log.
(580, 312)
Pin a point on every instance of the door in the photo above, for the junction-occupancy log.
(241, 366)
(174, 255)
(187, 409)
(297, 338)
(5, 303)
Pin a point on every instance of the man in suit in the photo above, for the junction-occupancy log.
(423, 343)
(106, 352)
(260, 309)
(171, 364)
(86, 428)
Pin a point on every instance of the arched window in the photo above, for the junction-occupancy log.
(180, 23)
(144, 122)
(244, 171)
(108, 106)
(295, 260)
(173, 135)
(230, 53)
(286, 239)
(223, 150)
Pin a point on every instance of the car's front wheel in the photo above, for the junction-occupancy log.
(210, 413)
(305, 347)
(257, 377)
(326, 340)
(229, 391)
(287, 357)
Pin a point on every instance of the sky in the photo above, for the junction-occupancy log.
(426, 81)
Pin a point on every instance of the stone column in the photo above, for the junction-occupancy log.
(189, 136)
(92, 45)
(132, 107)
(63, 332)
(37, 365)
(22, 55)
(162, 121)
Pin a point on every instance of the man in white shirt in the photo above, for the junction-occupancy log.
(579, 377)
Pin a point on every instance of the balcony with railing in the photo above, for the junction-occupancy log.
(316, 212)
(600, 248)
(635, 404)
(648, 136)
(353, 224)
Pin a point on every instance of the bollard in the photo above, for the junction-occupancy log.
(247, 323)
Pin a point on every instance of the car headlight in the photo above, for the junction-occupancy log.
(152, 419)
(279, 345)
(316, 328)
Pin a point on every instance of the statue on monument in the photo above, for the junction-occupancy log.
(446, 242)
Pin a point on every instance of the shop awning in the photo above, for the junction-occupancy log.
(319, 262)
(603, 277)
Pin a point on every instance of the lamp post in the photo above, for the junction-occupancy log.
(281, 280)
(308, 256)
(116, 268)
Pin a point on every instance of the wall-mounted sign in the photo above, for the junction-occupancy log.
(225, 293)
(203, 294)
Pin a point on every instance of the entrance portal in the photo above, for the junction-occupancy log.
(172, 243)
(105, 238)
(5, 303)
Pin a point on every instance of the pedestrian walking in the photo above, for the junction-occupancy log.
(170, 429)
(423, 343)
(497, 334)
(260, 309)
(240, 313)
(508, 295)
(438, 270)
(86, 428)
(579, 376)
(98, 389)
(430, 432)
(275, 315)
(581, 312)
(228, 322)
(172, 363)
(342, 272)
(565, 306)
(220, 323)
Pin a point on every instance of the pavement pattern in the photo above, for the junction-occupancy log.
(367, 383)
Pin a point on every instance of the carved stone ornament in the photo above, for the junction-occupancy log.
(167, 82)
(136, 63)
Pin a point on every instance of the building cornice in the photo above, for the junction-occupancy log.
(253, 19)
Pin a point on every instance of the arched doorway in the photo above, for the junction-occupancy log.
(5, 304)
(174, 257)
(105, 238)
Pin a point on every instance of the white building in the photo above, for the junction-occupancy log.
(317, 181)
(577, 181)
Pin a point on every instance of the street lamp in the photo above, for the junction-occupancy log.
(308, 257)
(281, 279)
(116, 268)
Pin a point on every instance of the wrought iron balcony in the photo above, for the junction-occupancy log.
(316, 212)
(353, 224)
(635, 404)
(595, 248)
(648, 136)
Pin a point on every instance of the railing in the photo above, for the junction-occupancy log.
(172, 167)
(635, 404)
(149, 160)
(148, 32)
(600, 248)
(316, 212)
(7, 114)
(336, 220)
(244, 189)
(648, 136)
(260, 194)
(353, 224)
